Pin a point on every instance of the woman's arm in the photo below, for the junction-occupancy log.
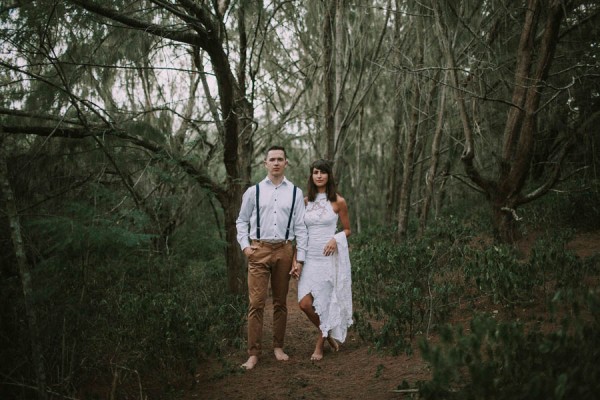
(342, 211)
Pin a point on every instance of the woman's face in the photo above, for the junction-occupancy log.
(320, 178)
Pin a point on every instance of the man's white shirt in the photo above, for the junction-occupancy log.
(275, 205)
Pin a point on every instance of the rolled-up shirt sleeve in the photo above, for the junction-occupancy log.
(300, 230)
(243, 221)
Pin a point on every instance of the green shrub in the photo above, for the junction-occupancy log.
(106, 302)
(405, 286)
(503, 360)
(556, 264)
(496, 271)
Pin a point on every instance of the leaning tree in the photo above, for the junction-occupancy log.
(480, 67)
(214, 46)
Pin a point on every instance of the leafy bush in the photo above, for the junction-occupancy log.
(497, 272)
(108, 304)
(405, 286)
(556, 264)
(502, 360)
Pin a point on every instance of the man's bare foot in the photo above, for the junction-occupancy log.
(280, 355)
(251, 363)
(333, 343)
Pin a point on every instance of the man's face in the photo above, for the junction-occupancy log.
(275, 163)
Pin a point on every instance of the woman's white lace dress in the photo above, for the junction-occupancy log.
(327, 278)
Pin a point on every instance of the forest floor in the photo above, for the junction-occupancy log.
(357, 371)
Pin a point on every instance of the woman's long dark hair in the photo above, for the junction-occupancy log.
(323, 166)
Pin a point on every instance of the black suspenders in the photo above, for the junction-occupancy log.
(287, 230)
(257, 213)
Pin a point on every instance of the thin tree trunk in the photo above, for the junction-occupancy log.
(421, 145)
(24, 271)
(440, 194)
(396, 169)
(338, 117)
(435, 156)
(235, 261)
(357, 171)
(409, 153)
(328, 77)
(391, 210)
(409, 167)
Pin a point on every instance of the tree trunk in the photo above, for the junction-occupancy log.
(37, 355)
(409, 153)
(328, 77)
(435, 156)
(440, 194)
(409, 167)
(505, 193)
(340, 16)
(357, 172)
(421, 145)
(396, 171)
(504, 220)
(235, 261)
(391, 210)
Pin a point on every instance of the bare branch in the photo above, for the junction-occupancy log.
(468, 183)
(95, 131)
(554, 176)
(183, 36)
(25, 114)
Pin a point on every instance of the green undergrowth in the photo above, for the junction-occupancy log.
(117, 316)
(508, 360)
(406, 288)
(445, 285)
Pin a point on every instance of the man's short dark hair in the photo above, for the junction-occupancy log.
(275, 147)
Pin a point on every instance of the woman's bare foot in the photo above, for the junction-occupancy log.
(251, 363)
(280, 355)
(333, 343)
(317, 355)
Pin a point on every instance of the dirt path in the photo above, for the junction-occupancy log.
(355, 372)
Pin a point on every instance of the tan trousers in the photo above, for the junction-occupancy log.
(274, 262)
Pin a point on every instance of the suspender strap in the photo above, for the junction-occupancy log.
(257, 213)
(287, 231)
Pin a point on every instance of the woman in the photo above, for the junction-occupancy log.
(324, 288)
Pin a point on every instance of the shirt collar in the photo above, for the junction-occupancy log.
(285, 181)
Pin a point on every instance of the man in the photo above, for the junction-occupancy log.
(271, 216)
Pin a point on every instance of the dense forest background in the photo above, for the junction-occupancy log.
(130, 129)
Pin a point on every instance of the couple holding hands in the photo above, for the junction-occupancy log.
(274, 212)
